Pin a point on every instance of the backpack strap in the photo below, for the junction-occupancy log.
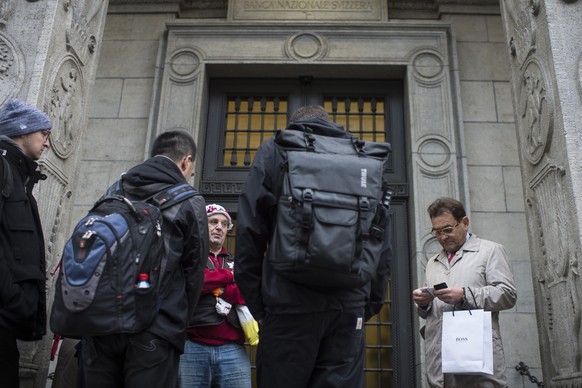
(174, 194)
(164, 199)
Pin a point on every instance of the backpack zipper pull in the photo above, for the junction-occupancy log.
(158, 229)
(86, 236)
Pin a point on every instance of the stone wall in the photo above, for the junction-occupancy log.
(118, 125)
(493, 170)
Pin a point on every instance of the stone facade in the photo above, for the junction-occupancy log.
(546, 79)
(492, 103)
(48, 57)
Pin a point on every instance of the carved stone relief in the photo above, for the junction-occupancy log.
(434, 155)
(556, 271)
(11, 68)
(66, 106)
(306, 46)
(80, 38)
(185, 64)
(221, 188)
(6, 10)
(535, 110)
(523, 35)
(428, 65)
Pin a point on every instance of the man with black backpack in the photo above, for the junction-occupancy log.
(313, 251)
(24, 132)
(150, 358)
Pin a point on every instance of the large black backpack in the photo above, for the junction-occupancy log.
(96, 290)
(332, 210)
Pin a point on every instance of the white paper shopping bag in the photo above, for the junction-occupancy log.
(467, 342)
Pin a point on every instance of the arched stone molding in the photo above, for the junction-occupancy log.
(11, 68)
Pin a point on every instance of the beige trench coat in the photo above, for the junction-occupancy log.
(482, 266)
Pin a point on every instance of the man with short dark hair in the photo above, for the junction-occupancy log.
(24, 133)
(478, 275)
(151, 358)
(309, 337)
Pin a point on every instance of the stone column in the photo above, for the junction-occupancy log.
(545, 53)
(48, 57)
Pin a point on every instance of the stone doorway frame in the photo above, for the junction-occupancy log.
(422, 54)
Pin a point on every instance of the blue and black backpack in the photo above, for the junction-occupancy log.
(117, 244)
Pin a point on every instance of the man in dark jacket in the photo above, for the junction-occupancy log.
(308, 337)
(24, 132)
(151, 358)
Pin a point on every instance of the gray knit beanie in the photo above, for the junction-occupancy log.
(18, 118)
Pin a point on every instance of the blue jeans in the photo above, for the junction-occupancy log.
(225, 366)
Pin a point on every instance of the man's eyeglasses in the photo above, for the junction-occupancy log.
(214, 223)
(446, 230)
(45, 135)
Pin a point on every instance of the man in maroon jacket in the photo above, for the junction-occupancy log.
(214, 354)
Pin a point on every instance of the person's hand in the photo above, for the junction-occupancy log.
(451, 295)
(422, 297)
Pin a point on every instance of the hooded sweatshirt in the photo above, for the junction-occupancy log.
(185, 231)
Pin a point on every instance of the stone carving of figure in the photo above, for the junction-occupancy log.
(532, 111)
(65, 111)
(62, 106)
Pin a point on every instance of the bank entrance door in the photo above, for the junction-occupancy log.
(243, 113)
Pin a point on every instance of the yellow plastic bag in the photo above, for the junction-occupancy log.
(249, 325)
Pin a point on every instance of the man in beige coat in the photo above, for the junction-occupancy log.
(469, 266)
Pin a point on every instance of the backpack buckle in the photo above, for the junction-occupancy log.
(363, 203)
(310, 142)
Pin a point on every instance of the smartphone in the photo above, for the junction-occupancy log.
(440, 286)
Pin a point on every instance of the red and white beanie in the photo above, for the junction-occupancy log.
(213, 209)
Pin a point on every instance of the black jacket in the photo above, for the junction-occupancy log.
(263, 289)
(186, 242)
(22, 256)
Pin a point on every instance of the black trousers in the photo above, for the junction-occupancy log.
(129, 361)
(314, 350)
(9, 359)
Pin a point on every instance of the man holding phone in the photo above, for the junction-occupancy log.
(468, 273)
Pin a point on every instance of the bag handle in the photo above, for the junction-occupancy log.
(473, 295)
(474, 300)
(121, 199)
